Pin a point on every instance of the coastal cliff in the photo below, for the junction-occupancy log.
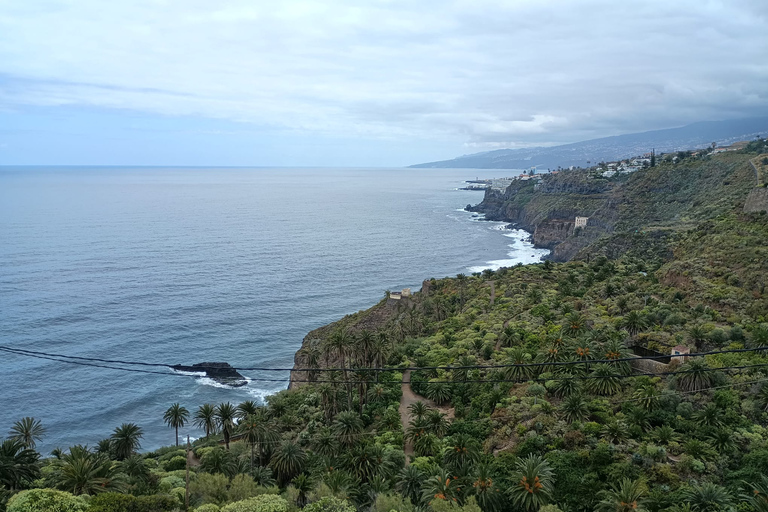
(668, 195)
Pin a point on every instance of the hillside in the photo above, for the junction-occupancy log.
(655, 200)
(586, 153)
(631, 378)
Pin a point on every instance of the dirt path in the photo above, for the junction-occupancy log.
(409, 398)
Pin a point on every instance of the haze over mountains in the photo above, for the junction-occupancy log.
(589, 152)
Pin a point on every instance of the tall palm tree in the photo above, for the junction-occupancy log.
(247, 408)
(205, 418)
(27, 430)
(623, 497)
(18, 465)
(532, 483)
(126, 440)
(257, 430)
(225, 417)
(288, 461)
(176, 416)
(341, 341)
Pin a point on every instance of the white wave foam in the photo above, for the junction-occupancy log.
(522, 251)
(182, 372)
(207, 381)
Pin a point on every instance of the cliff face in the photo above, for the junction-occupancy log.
(657, 198)
(373, 319)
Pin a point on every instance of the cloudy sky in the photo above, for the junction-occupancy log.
(373, 83)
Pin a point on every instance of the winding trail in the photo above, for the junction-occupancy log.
(408, 398)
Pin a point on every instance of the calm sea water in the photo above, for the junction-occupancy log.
(180, 265)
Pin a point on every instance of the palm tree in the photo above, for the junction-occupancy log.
(125, 440)
(247, 408)
(340, 341)
(339, 482)
(409, 483)
(176, 416)
(262, 475)
(647, 397)
(462, 451)
(27, 430)
(708, 497)
(604, 380)
(220, 461)
(304, 484)
(695, 375)
(418, 409)
(758, 497)
(698, 335)
(633, 322)
(257, 430)
(347, 427)
(441, 486)
(225, 418)
(623, 497)
(575, 324)
(565, 385)
(83, 472)
(439, 391)
(18, 465)
(437, 423)
(575, 408)
(288, 461)
(325, 443)
(532, 483)
(488, 496)
(615, 432)
(205, 419)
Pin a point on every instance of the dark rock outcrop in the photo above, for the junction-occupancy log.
(222, 373)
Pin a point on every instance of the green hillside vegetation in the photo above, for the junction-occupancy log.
(530, 400)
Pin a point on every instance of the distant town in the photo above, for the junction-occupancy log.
(605, 169)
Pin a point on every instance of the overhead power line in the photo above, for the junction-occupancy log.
(26, 353)
(385, 369)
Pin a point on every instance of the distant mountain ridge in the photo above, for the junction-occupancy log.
(589, 152)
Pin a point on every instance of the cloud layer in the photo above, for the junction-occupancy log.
(487, 74)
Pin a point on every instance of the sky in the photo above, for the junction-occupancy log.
(373, 83)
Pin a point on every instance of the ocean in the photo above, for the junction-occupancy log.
(186, 265)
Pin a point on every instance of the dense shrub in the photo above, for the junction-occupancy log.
(176, 463)
(46, 500)
(329, 504)
(263, 503)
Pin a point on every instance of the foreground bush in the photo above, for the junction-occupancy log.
(329, 504)
(114, 502)
(46, 500)
(263, 503)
